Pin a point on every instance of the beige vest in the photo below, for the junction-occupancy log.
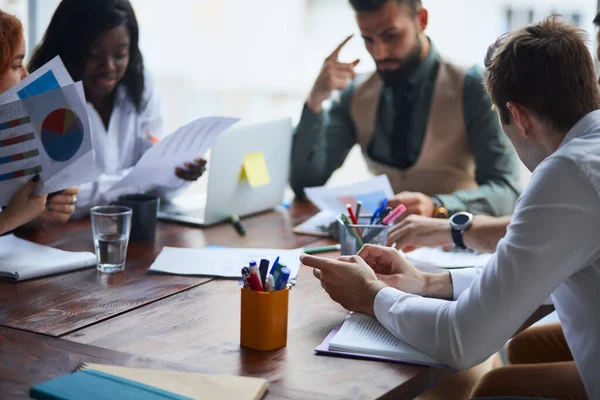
(446, 163)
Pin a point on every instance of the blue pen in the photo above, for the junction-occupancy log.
(379, 210)
(282, 279)
(274, 267)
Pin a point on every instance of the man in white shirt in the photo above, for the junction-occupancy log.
(549, 108)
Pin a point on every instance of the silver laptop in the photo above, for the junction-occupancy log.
(226, 194)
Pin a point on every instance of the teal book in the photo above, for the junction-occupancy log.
(95, 385)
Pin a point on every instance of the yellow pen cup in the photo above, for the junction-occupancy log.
(264, 319)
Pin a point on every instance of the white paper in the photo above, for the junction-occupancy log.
(332, 202)
(222, 262)
(437, 257)
(156, 168)
(362, 334)
(21, 259)
(50, 153)
(49, 76)
(371, 192)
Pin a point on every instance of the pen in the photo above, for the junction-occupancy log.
(245, 274)
(397, 212)
(270, 284)
(323, 249)
(264, 268)
(352, 231)
(254, 282)
(278, 270)
(274, 267)
(358, 207)
(351, 214)
(282, 279)
(379, 210)
(237, 224)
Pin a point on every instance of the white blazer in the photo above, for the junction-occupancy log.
(120, 147)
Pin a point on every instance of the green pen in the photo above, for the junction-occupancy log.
(323, 249)
(351, 230)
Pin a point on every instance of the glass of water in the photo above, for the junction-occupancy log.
(111, 226)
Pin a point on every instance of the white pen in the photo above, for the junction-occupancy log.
(270, 284)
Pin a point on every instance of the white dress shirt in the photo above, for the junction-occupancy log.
(121, 146)
(551, 247)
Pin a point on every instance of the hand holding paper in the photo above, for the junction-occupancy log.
(156, 167)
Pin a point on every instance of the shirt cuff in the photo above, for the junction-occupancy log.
(462, 279)
(384, 300)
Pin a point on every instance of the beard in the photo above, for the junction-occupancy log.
(407, 66)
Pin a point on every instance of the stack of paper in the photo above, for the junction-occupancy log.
(155, 168)
(222, 262)
(332, 202)
(21, 260)
(362, 336)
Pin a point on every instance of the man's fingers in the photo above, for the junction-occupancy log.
(336, 52)
(321, 263)
(317, 273)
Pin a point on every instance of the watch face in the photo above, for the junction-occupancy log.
(460, 219)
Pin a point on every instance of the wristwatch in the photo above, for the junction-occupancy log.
(439, 211)
(459, 223)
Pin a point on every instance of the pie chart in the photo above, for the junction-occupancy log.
(62, 134)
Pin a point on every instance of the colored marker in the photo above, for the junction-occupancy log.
(358, 208)
(264, 268)
(282, 279)
(254, 282)
(351, 230)
(274, 267)
(351, 214)
(323, 249)
(237, 224)
(397, 212)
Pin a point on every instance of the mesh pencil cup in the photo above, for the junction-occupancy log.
(352, 237)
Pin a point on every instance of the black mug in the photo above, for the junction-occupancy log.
(143, 219)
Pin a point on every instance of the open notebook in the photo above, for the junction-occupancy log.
(108, 382)
(363, 337)
(21, 259)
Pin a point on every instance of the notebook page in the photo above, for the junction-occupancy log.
(364, 335)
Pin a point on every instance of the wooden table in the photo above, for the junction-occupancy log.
(184, 322)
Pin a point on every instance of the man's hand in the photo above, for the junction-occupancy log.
(24, 206)
(61, 206)
(395, 271)
(193, 170)
(334, 75)
(349, 281)
(416, 203)
(416, 231)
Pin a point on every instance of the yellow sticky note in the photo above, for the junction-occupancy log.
(254, 170)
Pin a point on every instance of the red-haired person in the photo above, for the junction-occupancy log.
(26, 205)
